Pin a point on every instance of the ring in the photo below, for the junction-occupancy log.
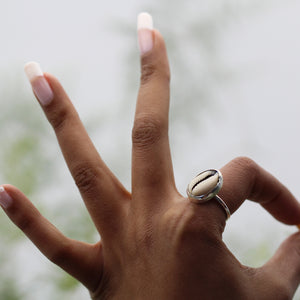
(205, 186)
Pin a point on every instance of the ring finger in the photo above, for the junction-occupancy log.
(244, 179)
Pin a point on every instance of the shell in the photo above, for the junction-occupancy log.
(205, 185)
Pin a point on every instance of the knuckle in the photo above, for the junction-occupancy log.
(61, 254)
(247, 168)
(148, 70)
(25, 223)
(58, 118)
(245, 163)
(85, 177)
(146, 131)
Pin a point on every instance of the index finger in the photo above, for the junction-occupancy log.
(100, 189)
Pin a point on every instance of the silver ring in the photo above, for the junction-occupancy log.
(205, 186)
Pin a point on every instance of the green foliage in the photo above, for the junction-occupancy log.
(259, 254)
(24, 133)
(23, 168)
(66, 282)
(9, 289)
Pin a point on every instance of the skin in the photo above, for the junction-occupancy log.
(155, 243)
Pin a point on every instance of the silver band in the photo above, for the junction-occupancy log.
(224, 205)
(205, 186)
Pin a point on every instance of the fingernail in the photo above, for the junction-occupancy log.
(39, 83)
(5, 199)
(145, 32)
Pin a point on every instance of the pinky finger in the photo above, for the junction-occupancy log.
(73, 256)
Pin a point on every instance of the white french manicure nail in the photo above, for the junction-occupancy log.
(145, 32)
(39, 83)
(5, 199)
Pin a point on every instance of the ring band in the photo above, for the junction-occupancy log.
(224, 205)
(205, 186)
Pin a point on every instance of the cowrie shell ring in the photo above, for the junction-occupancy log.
(205, 186)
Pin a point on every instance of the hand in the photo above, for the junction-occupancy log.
(155, 243)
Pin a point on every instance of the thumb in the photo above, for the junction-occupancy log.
(283, 269)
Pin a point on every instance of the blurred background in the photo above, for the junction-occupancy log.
(235, 91)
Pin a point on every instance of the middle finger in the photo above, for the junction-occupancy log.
(152, 172)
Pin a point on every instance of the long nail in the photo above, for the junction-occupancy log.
(5, 199)
(39, 83)
(145, 32)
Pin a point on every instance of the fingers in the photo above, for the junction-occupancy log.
(244, 179)
(99, 188)
(282, 271)
(151, 159)
(81, 260)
